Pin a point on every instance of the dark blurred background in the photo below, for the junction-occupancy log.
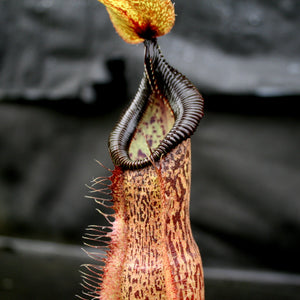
(65, 77)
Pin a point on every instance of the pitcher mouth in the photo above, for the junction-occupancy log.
(164, 93)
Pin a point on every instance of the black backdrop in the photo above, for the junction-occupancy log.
(65, 76)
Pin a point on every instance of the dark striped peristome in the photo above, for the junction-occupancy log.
(183, 98)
